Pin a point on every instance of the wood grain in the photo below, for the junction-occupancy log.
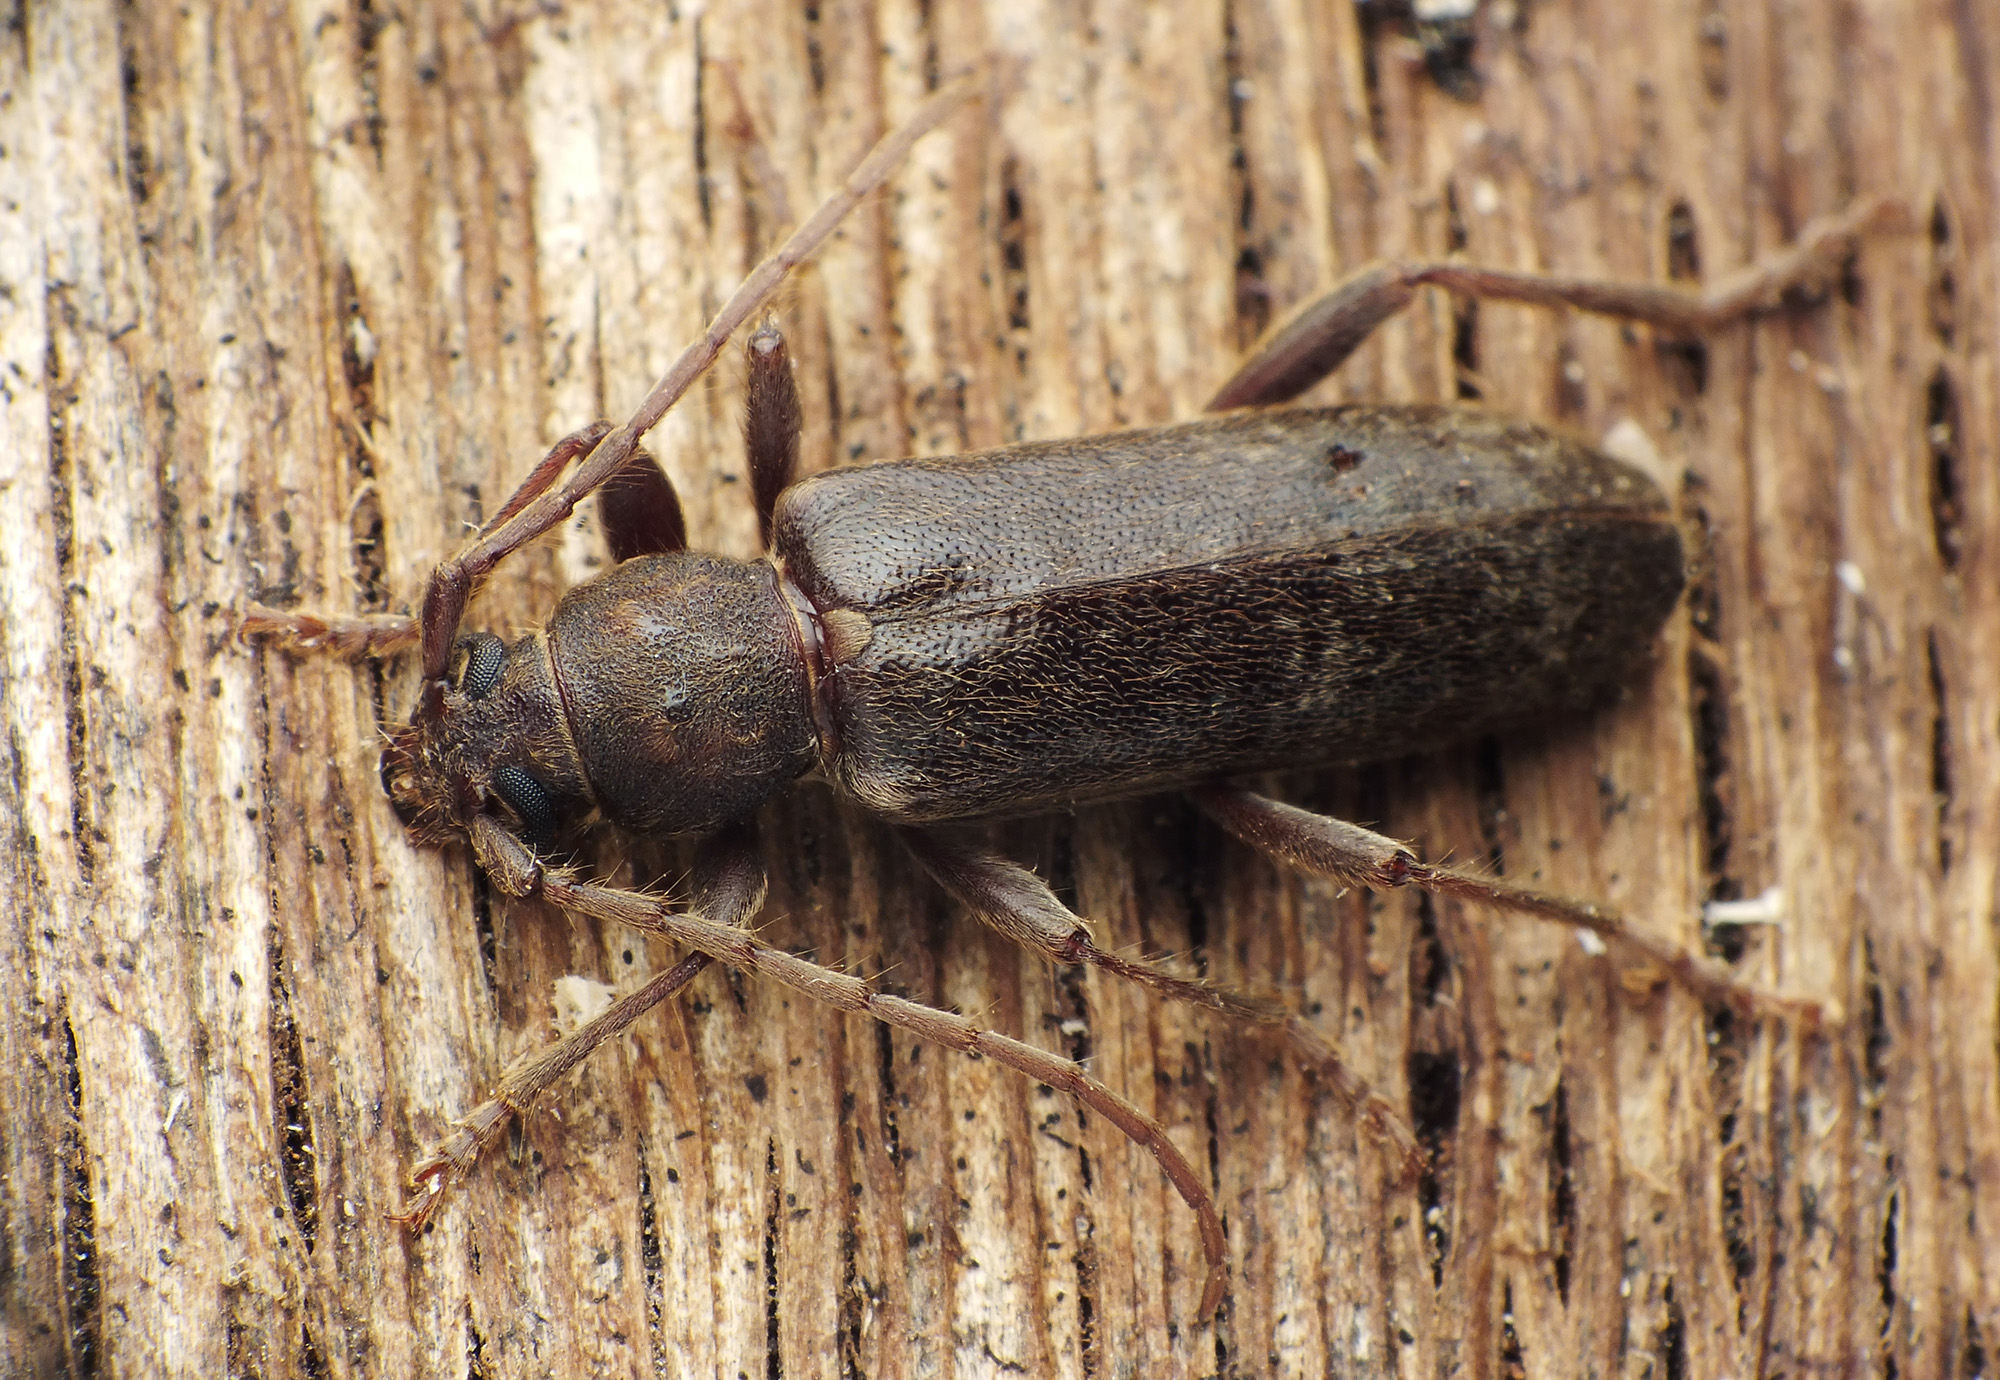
(290, 294)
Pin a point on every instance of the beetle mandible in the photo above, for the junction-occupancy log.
(1023, 629)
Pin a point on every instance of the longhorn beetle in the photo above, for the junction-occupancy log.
(1025, 628)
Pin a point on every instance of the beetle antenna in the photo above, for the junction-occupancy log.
(452, 583)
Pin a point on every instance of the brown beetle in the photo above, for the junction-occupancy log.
(1030, 627)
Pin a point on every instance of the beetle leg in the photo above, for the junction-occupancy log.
(637, 505)
(1020, 905)
(640, 512)
(344, 635)
(772, 422)
(475, 1133)
(452, 582)
(539, 505)
(729, 886)
(580, 442)
(1360, 857)
(1313, 339)
(513, 866)
(359, 635)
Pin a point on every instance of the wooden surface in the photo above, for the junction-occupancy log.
(288, 295)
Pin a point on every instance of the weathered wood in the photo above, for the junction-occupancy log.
(290, 294)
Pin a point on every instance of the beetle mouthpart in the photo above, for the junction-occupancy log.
(414, 783)
(397, 770)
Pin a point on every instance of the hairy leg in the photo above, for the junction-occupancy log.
(1361, 857)
(1020, 905)
(515, 869)
(452, 583)
(728, 890)
(772, 422)
(351, 635)
(1313, 339)
(640, 511)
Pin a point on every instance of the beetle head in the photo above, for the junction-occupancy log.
(671, 695)
(489, 738)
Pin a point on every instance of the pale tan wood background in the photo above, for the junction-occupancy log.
(289, 294)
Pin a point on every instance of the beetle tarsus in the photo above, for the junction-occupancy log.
(480, 1129)
(351, 636)
(1375, 1111)
(1360, 857)
(1310, 341)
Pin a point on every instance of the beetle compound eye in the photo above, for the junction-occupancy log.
(484, 655)
(525, 796)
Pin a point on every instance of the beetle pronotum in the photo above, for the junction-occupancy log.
(1030, 627)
